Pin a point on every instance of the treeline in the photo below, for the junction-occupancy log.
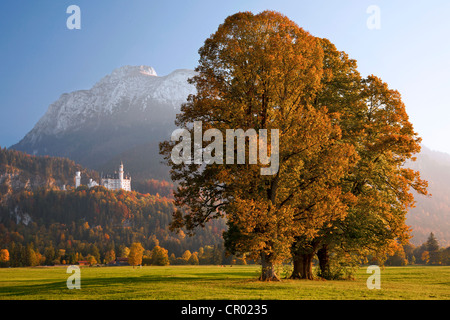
(59, 227)
(153, 186)
(429, 253)
(18, 255)
(207, 255)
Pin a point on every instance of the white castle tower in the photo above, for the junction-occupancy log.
(121, 174)
(117, 181)
(77, 179)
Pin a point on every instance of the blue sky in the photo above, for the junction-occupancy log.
(40, 58)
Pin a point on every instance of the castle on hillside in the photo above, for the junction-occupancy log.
(115, 181)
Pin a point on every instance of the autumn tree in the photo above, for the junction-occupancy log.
(4, 257)
(160, 256)
(186, 256)
(341, 184)
(125, 251)
(110, 256)
(261, 72)
(425, 257)
(193, 259)
(339, 94)
(372, 119)
(136, 253)
(30, 256)
(380, 181)
(91, 260)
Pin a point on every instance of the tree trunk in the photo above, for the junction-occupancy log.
(268, 269)
(303, 266)
(324, 262)
(297, 262)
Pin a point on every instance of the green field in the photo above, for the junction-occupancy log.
(215, 282)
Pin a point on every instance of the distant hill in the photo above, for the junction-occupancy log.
(20, 171)
(432, 214)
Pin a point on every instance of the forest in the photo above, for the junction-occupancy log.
(44, 220)
(66, 226)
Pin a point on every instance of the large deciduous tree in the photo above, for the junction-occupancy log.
(343, 140)
(261, 72)
(373, 119)
(339, 94)
(380, 182)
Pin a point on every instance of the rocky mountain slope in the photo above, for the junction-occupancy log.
(122, 117)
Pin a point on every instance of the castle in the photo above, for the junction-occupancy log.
(116, 181)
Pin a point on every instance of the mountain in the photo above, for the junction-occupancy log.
(123, 117)
(432, 214)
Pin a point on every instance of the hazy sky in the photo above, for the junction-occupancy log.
(41, 58)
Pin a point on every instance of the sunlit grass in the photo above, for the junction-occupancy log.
(215, 282)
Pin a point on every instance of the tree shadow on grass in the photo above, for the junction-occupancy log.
(29, 290)
(56, 290)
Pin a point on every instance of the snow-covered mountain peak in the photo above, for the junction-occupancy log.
(149, 71)
(127, 72)
(126, 89)
(133, 70)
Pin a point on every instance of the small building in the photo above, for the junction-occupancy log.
(121, 261)
(83, 263)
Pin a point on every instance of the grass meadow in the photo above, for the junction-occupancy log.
(216, 282)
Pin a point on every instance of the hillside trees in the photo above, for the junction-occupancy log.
(52, 226)
(45, 171)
